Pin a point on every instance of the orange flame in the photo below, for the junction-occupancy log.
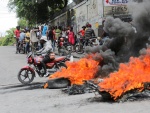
(130, 76)
(77, 72)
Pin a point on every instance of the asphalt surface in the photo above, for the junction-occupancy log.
(17, 98)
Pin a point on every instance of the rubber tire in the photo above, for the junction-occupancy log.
(68, 46)
(23, 82)
(24, 50)
(19, 49)
(90, 44)
(58, 83)
(79, 52)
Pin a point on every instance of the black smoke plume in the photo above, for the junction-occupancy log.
(126, 38)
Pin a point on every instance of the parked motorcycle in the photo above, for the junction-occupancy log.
(64, 48)
(82, 43)
(21, 47)
(93, 41)
(27, 73)
(79, 47)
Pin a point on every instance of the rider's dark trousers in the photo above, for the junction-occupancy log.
(45, 60)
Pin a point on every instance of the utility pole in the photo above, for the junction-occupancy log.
(87, 4)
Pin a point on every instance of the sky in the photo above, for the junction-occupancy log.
(7, 19)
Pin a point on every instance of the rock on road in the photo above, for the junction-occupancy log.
(15, 98)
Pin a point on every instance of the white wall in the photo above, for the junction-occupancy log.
(87, 11)
(92, 12)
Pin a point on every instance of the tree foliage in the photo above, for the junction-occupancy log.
(9, 39)
(36, 10)
(23, 23)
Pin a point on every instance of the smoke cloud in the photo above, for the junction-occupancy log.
(117, 28)
(126, 38)
(141, 14)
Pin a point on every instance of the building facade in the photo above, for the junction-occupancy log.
(92, 11)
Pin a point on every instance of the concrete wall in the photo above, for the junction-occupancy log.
(87, 11)
(92, 11)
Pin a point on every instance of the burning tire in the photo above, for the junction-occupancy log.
(26, 76)
(58, 83)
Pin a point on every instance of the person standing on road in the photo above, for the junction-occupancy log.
(71, 38)
(82, 32)
(57, 32)
(22, 36)
(44, 30)
(27, 40)
(54, 37)
(17, 36)
(50, 37)
(33, 39)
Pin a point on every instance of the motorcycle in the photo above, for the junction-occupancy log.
(64, 47)
(93, 41)
(79, 46)
(27, 73)
(21, 47)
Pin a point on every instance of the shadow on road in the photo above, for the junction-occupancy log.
(19, 87)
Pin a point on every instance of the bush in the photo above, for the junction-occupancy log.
(9, 39)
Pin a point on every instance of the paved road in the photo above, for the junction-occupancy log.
(15, 98)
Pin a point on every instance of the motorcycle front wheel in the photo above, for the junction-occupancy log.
(26, 76)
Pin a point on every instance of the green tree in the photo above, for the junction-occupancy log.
(8, 39)
(23, 23)
(36, 11)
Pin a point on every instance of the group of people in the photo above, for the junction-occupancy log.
(34, 38)
(87, 33)
(20, 36)
(37, 36)
(55, 33)
(43, 39)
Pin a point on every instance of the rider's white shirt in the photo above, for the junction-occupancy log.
(46, 48)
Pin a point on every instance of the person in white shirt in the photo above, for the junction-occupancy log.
(34, 39)
(47, 52)
(47, 46)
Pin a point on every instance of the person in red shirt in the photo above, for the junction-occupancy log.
(17, 36)
(82, 32)
(71, 38)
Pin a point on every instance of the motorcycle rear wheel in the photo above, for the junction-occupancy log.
(79, 49)
(26, 74)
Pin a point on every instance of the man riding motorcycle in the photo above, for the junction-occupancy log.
(47, 46)
(89, 33)
(47, 52)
